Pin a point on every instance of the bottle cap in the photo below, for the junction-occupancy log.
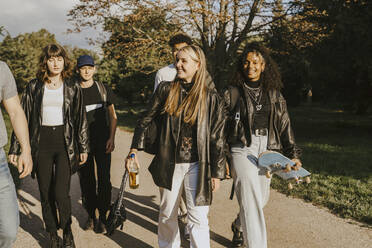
(132, 155)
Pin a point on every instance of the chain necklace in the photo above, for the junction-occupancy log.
(256, 95)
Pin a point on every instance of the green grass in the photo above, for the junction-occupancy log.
(337, 151)
(128, 115)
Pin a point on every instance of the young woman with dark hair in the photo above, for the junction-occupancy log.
(258, 120)
(58, 136)
(190, 146)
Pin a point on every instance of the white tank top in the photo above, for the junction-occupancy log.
(52, 107)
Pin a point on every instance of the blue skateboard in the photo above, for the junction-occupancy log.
(276, 163)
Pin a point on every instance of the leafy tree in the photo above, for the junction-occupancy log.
(292, 40)
(2, 30)
(343, 59)
(221, 27)
(328, 51)
(22, 52)
(139, 39)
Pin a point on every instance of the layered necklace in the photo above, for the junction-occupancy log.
(256, 95)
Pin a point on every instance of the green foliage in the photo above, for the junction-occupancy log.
(139, 30)
(137, 87)
(128, 115)
(22, 52)
(140, 39)
(337, 153)
(138, 44)
(343, 60)
(2, 30)
(108, 72)
(326, 47)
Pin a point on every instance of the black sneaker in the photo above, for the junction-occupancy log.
(89, 225)
(54, 240)
(237, 239)
(68, 238)
(99, 226)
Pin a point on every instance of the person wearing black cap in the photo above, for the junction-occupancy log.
(100, 111)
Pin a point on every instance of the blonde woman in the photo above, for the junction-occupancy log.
(190, 147)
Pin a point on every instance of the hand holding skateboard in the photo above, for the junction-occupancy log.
(287, 169)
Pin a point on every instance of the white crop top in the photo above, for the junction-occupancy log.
(52, 107)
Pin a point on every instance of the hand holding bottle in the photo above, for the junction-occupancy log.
(132, 166)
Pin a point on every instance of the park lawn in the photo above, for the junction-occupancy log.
(128, 115)
(336, 150)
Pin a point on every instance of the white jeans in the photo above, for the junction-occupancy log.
(185, 175)
(252, 189)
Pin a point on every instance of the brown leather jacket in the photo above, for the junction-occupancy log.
(75, 122)
(280, 136)
(210, 143)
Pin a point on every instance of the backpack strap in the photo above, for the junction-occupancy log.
(234, 96)
(102, 91)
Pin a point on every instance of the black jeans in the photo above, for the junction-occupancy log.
(96, 197)
(54, 176)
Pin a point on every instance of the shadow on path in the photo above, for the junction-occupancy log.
(137, 206)
(32, 223)
(125, 240)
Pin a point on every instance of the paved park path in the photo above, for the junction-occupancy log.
(308, 226)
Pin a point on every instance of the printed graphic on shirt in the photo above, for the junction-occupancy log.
(93, 107)
(186, 145)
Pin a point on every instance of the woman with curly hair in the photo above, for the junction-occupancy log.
(258, 120)
(58, 135)
(190, 147)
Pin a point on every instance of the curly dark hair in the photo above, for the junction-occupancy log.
(53, 50)
(270, 77)
(179, 38)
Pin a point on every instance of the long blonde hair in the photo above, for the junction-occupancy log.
(195, 100)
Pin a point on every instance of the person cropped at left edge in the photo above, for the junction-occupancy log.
(100, 111)
(9, 214)
(58, 135)
(190, 148)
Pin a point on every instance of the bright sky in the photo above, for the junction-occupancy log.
(25, 16)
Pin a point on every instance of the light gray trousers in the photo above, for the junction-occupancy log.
(252, 189)
(185, 176)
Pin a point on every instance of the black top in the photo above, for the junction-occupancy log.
(261, 114)
(187, 151)
(96, 112)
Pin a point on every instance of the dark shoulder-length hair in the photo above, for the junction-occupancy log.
(53, 50)
(270, 78)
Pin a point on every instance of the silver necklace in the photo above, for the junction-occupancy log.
(255, 94)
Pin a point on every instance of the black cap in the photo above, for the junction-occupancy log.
(85, 60)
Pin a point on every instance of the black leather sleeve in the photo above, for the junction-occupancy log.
(290, 148)
(217, 137)
(154, 109)
(81, 122)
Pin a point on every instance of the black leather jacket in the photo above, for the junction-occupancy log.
(74, 117)
(210, 143)
(280, 136)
